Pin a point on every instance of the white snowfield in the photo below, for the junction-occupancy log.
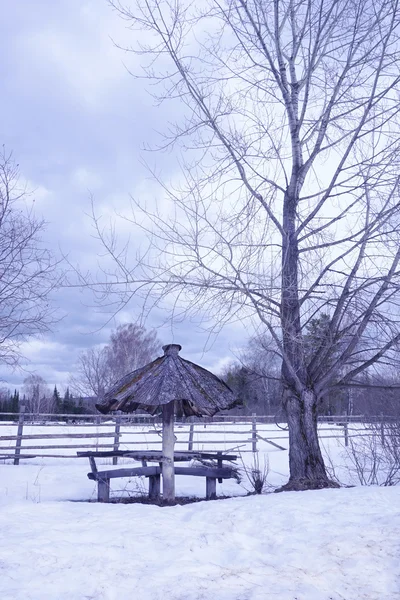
(325, 545)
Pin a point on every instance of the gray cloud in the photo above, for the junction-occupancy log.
(76, 122)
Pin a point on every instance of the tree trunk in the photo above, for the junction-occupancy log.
(306, 465)
(307, 469)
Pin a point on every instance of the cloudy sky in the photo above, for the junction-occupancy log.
(76, 122)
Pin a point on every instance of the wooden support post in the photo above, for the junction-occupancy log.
(116, 438)
(211, 488)
(93, 465)
(103, 490)
(346, 433)
(168, 442)
(219, 464)
(20, 430)
(254, 433)
(191, 432)
(154, 487)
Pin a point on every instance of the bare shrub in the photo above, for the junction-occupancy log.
(256, 475)
(135, 487)
(375, 459)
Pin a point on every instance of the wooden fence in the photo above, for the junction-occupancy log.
(242, 433)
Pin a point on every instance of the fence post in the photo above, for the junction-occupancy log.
(382, 431)
(346, 430)
(18, 442)
(116, 438)
(254, 432)
(191, 432)
(98, 422)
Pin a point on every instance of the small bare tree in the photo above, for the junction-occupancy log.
(130, 347)
(28, 271)
(373, 456)
(37, 395)
(288, 204)
(92, 376)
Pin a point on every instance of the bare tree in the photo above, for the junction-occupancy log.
(263, 361)
(378, 393)
(37, 395)
(92, 376)
(130, 347)
(288, 203)
(255, 377)
(28, 272)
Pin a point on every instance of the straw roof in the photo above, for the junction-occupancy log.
(168, 378)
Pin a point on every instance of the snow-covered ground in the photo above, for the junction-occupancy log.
(44, 478)
(325, 545)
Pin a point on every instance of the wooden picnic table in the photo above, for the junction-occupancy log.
(211, 473)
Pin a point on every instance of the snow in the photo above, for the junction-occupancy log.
(324, 545)
(340, 544)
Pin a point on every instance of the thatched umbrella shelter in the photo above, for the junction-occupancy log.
(167, 381)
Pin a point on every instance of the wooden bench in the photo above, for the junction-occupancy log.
(154, 472)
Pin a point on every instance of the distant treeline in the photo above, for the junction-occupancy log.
(9, 403)
(56, 404)
(261, 393)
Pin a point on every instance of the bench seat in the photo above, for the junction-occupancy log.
(153, 473)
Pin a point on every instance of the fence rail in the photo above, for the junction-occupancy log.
(192, 433)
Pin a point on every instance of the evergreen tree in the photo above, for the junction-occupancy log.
(57, 404)
(68, 404)
(14, 404)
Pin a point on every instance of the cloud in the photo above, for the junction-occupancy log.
(77, 121)
(69, 48)
(85, 179)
